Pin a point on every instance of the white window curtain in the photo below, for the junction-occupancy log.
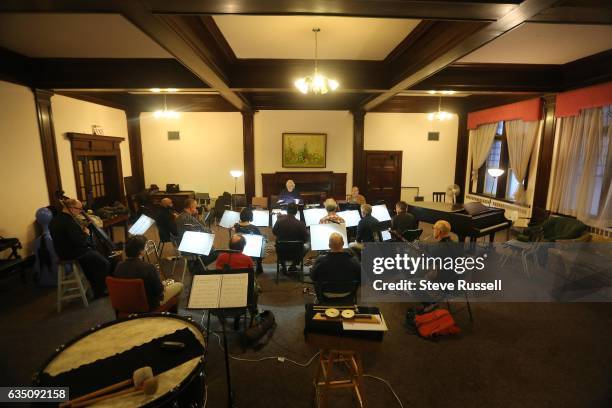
(521, 137)
(581, 181)
(481, 140)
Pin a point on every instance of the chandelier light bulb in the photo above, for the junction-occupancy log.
(316, 83)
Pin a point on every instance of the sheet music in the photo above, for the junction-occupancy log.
(219, 291)
(275, 214)
(386, 235)
(205, 291)
(229, 218)
(381, 213)
(141, 225)
(234, 288)
(352, 217)
(313, 215)
(261, 218)
(319, 235)
(381, 325)
(195, 242)
(254, 244)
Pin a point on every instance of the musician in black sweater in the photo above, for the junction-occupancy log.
(135, 268)
(71, 242)
(336, 266)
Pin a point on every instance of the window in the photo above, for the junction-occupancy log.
(505, 186)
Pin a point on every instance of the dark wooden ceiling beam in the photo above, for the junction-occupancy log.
(185, 45)
(577, 12)
(422, 9)
(514, 18)
(111, 73)
(15, 68)
(495, 78)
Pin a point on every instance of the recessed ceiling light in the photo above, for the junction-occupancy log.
(171, 90)
(431, 92)
(155, 90)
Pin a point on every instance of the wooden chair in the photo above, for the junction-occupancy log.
(128, 297)
(70, 283)
(439, 196)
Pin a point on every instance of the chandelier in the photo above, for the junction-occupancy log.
(165, 113)
(440, 115)
(316, 83)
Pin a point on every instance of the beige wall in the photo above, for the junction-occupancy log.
(210, 146)
(270, 125)
(428, 165)
(73, 115)
(23, 188)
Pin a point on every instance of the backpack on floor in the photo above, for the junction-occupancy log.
(436, 323)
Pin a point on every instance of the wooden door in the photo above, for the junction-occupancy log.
(383, 176)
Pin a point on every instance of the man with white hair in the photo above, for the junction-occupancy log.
(337, 265)
(289, 193)
(331, 217)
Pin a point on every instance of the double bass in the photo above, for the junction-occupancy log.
(98, 238)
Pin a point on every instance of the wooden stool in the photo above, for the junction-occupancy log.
(325, 381)
(70, 283)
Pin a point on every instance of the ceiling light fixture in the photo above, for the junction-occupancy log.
(165, 113)
(440, 115)
(317, 83)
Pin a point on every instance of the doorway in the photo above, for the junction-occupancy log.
(383, 176)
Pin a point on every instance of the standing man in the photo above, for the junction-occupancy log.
(289, 194)
(289, 228)
(71, 242)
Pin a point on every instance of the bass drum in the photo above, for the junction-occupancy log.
(110, 353)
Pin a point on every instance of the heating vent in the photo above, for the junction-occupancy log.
(603, 232)
(435, 136)
(523, 212)
(174, 135)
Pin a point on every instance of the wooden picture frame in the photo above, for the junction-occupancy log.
(304, 150)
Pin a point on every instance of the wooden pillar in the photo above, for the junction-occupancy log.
(135, 143)
(248, 145)
(461, 159)
(545, 156)
(358, 142)
(44, 114)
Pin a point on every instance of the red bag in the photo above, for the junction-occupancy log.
(436, 323)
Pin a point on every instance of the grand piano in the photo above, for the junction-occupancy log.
(472, 220)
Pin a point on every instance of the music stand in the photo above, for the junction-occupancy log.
(261, 218)
(313, 215)
(197, 243)
(254, 245)
(222, 313)
(352, 217)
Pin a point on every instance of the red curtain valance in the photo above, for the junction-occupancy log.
(570, 103)
(528, 111)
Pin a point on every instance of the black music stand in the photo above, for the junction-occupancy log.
(221, 313)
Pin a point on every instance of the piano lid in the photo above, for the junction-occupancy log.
(437, 206)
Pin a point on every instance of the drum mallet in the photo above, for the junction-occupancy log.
(148, 387)
(138, 378)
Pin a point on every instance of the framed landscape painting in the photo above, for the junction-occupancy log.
(304, 149)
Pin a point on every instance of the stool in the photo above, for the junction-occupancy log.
(324, 381)
(70, 283)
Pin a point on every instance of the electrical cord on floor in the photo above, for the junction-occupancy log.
(282, 359)
(399, 401)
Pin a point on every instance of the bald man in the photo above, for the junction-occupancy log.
(337, 265)
(71, 242)
(235, 260)
(289, 194)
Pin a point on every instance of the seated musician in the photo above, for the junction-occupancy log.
(237, 260)
(402, 220)
(135, 268)
(289, 228)
(441, 231)
(355, 197)
(289, 194)
(187, 221)
(245, 227)
(71, 242)
(166, 224)
(337, 265)
(331, 217)
(366, 229)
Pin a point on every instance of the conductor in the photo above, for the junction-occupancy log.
(289, 194)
